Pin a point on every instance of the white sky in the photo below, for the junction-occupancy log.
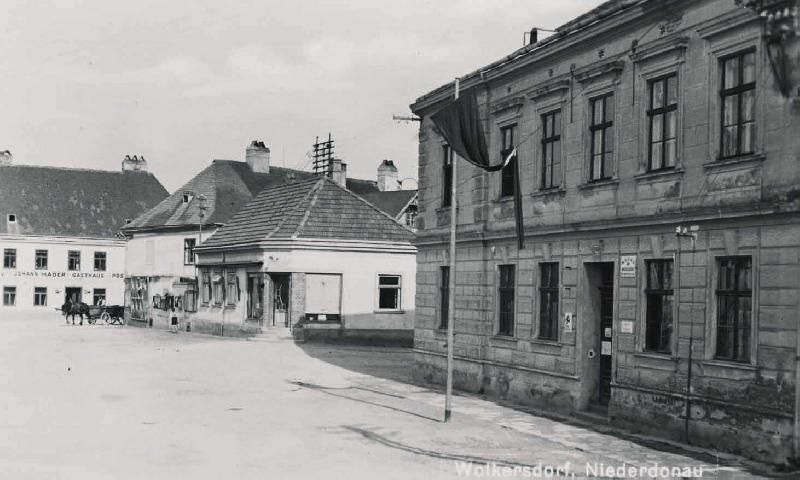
(85, 82)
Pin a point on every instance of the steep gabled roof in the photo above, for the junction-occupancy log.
(309, 209)
(227, 185)
(73, 202)
(393, 202)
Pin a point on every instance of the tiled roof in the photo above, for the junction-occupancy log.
(362, 187)
(227, 185)
(392, 202)
(73, 202)
(310, 209)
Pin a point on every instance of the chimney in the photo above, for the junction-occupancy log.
(387, 177)
(534, 36)
(134, 164)
(339, 174)
(257, 156)
(6, 158)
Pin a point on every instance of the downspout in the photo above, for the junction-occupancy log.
(796, 439)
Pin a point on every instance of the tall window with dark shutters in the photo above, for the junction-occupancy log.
(660, 302)
(734, 308)
(505, 297)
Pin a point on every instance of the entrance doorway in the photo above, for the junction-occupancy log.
(73, 294)
(255, 297)
(606, 328)
(280, 300)
(597, 310)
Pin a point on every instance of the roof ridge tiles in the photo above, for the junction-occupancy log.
(316, 189)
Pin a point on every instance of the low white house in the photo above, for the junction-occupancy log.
(310, 255)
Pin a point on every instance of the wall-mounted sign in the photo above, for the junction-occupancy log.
(569, 322)
(627, 266)
(605, 348)
(626, 326)
(50, 274)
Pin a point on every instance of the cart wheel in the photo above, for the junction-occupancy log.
(105, 317)
(92, 321)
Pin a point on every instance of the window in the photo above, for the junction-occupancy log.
(74, 260)
(447, 175)
(548, 295)
(551, 149)
(508, 173)
(99, 261)
(231, 288)
(190, 301)
(12, 218)
(99, 296)
(660, 301)
(444, 296)
(389, 292)
(601, 130)
(9, 296)
(738, 99)
(41, 260)
(411, 216)
(40, 297)
(218, 283)
(127, 221)
(188, 250)
(734, 307)
(206, 287)
(10, 258)
(506, 296)
(662, 116)
(187, 197)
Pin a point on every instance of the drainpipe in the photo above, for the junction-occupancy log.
(797, 394)
(681, 232)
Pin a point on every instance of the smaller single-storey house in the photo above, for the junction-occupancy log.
(312, 256)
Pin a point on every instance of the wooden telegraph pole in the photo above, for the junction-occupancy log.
(451, 287)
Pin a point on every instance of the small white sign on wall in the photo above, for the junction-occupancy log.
(569, 322)
(605, 348)
(627, 266)
(626, 326)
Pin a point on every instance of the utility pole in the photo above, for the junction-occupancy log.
(451, 288)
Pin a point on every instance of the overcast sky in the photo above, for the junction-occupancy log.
(83, 83)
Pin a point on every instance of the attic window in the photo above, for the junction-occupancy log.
(127, 221)
(187, 197)
(12, 218)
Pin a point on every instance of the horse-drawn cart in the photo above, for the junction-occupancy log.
(112, 314)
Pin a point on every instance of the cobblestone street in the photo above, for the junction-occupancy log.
(118, 402)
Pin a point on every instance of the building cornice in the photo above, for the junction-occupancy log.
(58, 239)
(320, 244)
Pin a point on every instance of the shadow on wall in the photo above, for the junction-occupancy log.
(389, 363)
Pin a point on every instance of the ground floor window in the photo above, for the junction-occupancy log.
(734, 308)
(659, 297)
(99, 296)
(9, 296)
(232, 288)
(506, 299)
(190, 301)
(389, 292)
(323, 296)
(40, 296)
(548, 296)
(218, 287)
(205, 285)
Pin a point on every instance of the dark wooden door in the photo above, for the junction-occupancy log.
(606, 329)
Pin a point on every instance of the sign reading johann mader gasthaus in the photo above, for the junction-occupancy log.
(62, 274)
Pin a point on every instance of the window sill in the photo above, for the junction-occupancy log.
(390, 312)
(508, 199)
(607, 183)
(729, 370)
(656, 175)
(505, 340)
(667, 357)
(745, 366)
(549, 192)
(742, 161)
(546, 341)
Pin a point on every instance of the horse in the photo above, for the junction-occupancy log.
(71, 308)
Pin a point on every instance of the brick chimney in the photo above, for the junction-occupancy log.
(339, 174)
(6, 158)
(134, 163)
(257, 156)
(387, 177)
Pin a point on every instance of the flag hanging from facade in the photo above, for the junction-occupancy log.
(460, 124)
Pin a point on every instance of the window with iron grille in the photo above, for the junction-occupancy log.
(447, 175)
(40, 296)
(663, 118)
(99, 296)
(548, 295)
(734, 308)
(738, 100)
(10, 258)
(73, 260)
(389, 288)
(444, 296)
(506, 299)
(188, 250)
(41, 259)
(9, 296)
(99, 261)
(509, 172)
(601, 130)
(551, 149)
(660, 301)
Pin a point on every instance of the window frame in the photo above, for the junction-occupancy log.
(546, 299)
(738, 91)
(444, 296)
(10, 258)
(187, 250)
(12, 291)
(206, 289)
(69, 260)
(509, 172)
(448, 158)
(230, 294)
(96, 295)
(39, 297)
(720, 294)
(606, 166)
(398, 287)
(506, 327)
(664, 110)
(37, 255)
(103, 258)
(650, 291)
(218, 288)
(547, 141)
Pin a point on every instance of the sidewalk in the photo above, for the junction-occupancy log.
(482, 431)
